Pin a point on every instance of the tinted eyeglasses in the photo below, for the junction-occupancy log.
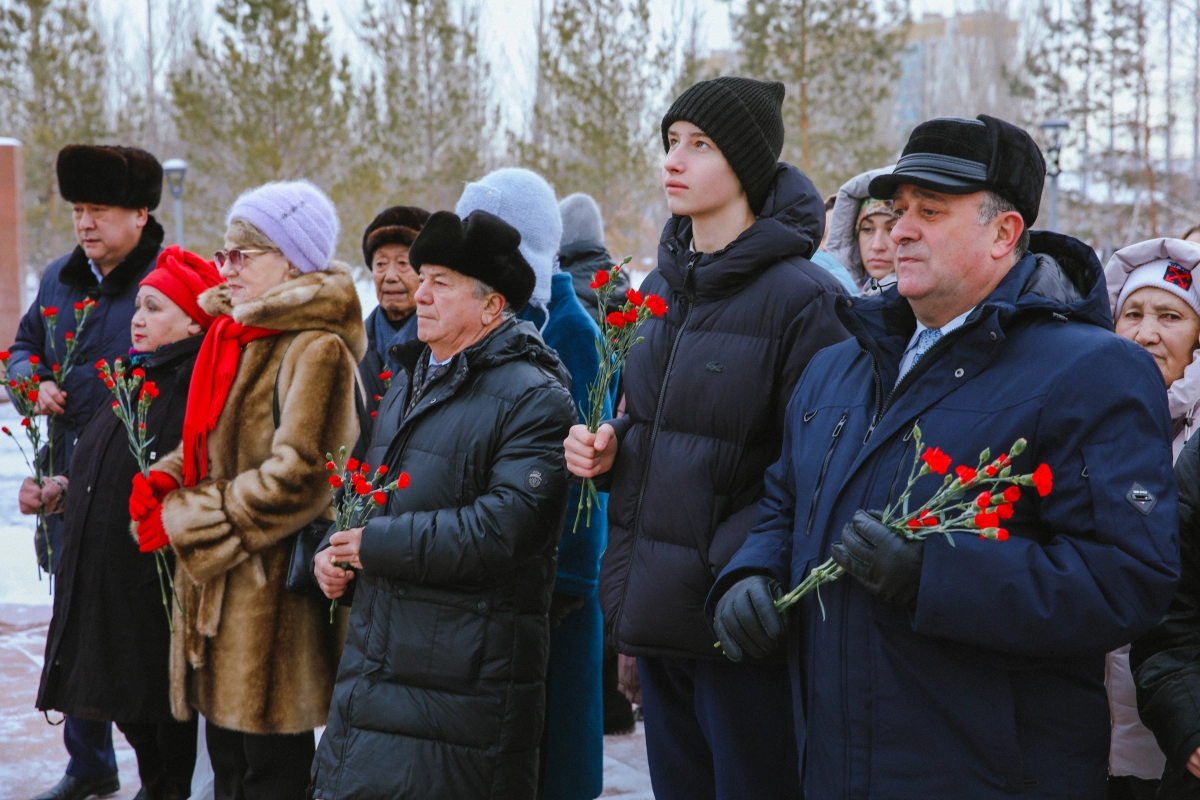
(237, 257)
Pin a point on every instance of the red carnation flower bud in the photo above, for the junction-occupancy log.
(377, 398)
(1012, 494)
(983, 521)
(33, 396)
(403, 481)
(79, 306)
(34, 360)
(54, 368)
(49, 311)
(1002, 460)
(115, 404)
(990, 471)
(109, 383)
(138, 372)
(984, 500)
(335, 481)
(6, 430)
(69, 336)
(89, 302)
(1001, 535)
(329, 465)
(386, 375)
(141, 426)
(616, 319)
(929, 522)
(382, 469)
(1043, 480)
(379, 498)
(352, 464)
(374, 414)
(101, 364)
(25, 422)
(5, 355)
(914, 524)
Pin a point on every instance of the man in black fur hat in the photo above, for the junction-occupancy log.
(112, 191)
(385, 252)
(448, 640)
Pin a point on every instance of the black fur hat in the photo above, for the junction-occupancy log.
(482, 246)
(109, 176)
(395, 225)
(964, 156)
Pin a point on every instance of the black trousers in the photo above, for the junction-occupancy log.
(254, 766)
(166, 756)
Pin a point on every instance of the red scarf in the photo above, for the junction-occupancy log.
(212, 378)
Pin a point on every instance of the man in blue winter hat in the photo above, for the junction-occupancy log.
(941, 669)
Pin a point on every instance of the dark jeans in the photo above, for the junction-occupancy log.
(716, 730)
(166, 756)
(1127, 787)
(90, 746)
(253, 766)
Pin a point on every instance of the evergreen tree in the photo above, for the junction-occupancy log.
(838, 60)
(52, 93)
(269, 101)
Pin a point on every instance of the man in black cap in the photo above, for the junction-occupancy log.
(112, 191)
(958, 666)
(441, 691)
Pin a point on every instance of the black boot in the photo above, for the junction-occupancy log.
(72, 788)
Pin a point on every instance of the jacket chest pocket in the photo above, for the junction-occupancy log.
(435, 645)
(819, 443)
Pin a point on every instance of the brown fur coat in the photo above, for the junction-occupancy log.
(249, 654)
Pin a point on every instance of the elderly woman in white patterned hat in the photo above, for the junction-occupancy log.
(1156, 303)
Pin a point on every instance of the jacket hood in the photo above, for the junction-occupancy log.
(325, 300)
(514, 340)
(1059, 275)
(1184, 394)
(790, 225)
(842, 242)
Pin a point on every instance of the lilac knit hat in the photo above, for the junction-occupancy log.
(297, 217)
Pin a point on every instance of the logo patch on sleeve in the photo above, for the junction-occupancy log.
(1141, 498)
(534, 479)
(1178, 275)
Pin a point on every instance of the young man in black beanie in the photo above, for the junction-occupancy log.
(705, 394)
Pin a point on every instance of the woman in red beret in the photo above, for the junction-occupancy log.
(108, 645)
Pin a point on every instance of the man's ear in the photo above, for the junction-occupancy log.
(1008, 229)
(492, 307)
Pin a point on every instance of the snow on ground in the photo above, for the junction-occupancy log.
(19, 583)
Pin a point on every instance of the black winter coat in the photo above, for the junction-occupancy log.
(1166, 661)
(440, 692)
(583, 260)
(107, 648)
(705, 395)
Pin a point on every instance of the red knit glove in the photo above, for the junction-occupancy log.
(148, 493)
(151, 535)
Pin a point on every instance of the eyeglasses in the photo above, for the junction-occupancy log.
(236, 257)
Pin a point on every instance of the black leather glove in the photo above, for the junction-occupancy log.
(746, 622)
(883, 561)
(561, 605)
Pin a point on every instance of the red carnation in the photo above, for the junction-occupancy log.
(101, 364)
(335, 481)
(79, 306)
(937, 461)
(656, 304)
(1001, 535)
(366, 468)
(600, 279)
(984, 500)
(983, 521)
(35, 378)
(929, 522)
(379, 498)
(109, 383)
(33, 396)
(616, 319)
(634, 297)
(329, 465)
(965, 474)
(54, 368)
(382, 469)
(362, 488)
(385, 375)
(1043, 480)
(49, 311)
(1004, 511)
(374, 413)
(34, 360)
(990, 470)
(352, 464)
(69, 336)
(138, 372)
(5, 355)
(402, 481)
(25, 422)
(631, 315)
(1012, 494)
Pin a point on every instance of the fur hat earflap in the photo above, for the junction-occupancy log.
(395, 225)
(482, 246)
(109, 176)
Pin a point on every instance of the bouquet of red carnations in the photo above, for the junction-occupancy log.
(363, 493)
(133, 395)
(618, 335)
(971, 499)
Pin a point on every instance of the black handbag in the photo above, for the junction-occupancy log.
(300, 578)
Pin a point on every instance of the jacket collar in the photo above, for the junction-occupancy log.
(170, 354)
(790, 226)
(78, 275)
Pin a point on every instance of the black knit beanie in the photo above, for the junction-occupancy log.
(744, 118)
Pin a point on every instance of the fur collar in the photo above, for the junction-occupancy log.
(326, 300)
(77, 274)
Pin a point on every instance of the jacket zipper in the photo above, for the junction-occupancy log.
(689, 290)
(812, 509)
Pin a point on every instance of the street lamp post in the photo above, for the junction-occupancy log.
(1054, 129)
(174, 170)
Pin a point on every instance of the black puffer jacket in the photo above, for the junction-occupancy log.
(107, 648)
(440, 689)
(705, 395)
(1166, 661)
